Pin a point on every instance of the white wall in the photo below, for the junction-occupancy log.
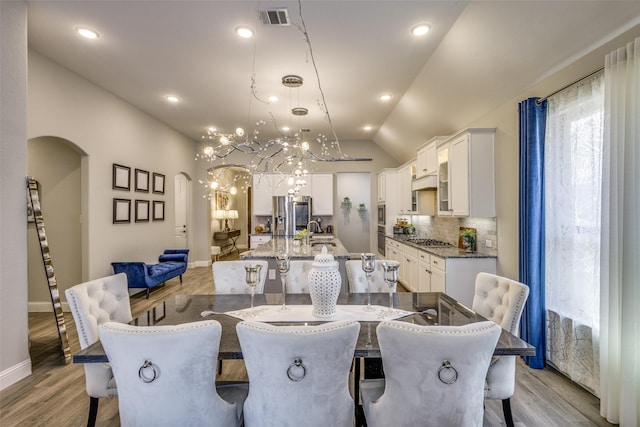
(108, 130)
(14, 352)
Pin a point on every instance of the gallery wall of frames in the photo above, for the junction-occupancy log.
(145, 208)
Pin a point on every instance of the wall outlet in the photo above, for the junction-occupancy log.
(489, 243)
(272, 274)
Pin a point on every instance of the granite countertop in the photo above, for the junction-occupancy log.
(282, 244)
(442, 251)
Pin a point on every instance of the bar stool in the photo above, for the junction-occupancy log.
(215, 253)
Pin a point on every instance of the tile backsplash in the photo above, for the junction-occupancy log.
(447, 229)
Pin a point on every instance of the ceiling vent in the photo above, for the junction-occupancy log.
(274, 17)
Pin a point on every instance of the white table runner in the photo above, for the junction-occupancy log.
(302, 313)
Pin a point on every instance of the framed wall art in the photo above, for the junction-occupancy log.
(142, 211)
(121, 177)
(158, 210)
(141, 181)
(222, 200)
(121, 211)
(158, 183)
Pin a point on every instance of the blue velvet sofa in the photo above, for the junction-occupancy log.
(172, 263)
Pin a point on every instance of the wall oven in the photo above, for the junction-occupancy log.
(381, 237)
(382, 214)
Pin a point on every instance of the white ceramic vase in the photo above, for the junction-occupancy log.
(324, 284)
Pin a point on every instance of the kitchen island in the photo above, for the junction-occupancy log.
(298, 250)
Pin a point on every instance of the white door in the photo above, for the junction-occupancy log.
(181, 212)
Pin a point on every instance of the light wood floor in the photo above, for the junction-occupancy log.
(55, 393)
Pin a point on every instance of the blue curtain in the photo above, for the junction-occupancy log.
(533, 117)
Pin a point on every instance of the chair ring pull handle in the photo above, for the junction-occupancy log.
(294, 373)
(447, 373)
(142, 372)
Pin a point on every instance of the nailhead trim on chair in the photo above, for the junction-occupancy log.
(299, 330)
(441, 330)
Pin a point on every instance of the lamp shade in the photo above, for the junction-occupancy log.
(220, 214)
(233, 214)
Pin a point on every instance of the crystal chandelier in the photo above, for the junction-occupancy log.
(291, 155)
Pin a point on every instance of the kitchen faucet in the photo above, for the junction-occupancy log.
(309, 233)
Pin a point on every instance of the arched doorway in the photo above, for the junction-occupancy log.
(229, 191)
(57, 164)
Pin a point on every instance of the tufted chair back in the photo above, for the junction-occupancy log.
(166, 375)
(93, 303)
(313, 392)
(501, 300)
(419, 388)
(298, 277)
(358, 279)
(229, 276)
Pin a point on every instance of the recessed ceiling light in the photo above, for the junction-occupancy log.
(385, 97)
(273, 98)
(173, 99)
(87, 33)
(244, 32)
(420, 29)
(367, 128)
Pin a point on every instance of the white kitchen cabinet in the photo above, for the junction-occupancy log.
(386, 186)
(427, 160)
(409, 268)
(258, 239)
(403, 190)
(262, 193)
(267, 185)
(322, 194)
(393, 252)
(443, 189)
(471, 173)
(424, 272)
(438, 276)
(421, 162)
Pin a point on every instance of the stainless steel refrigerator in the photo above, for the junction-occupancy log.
(290, 214)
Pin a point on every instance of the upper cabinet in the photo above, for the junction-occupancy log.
(322, 194)
(267, 185)
(387, 187)
(466, 185)
(444, 189)
(403, 192)
(262, 193)
(427, 161)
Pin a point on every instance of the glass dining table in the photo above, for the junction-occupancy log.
(431, 308)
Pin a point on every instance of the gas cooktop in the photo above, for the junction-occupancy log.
(427, 242)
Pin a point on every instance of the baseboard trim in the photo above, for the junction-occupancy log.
(15, 373)
(45, 307)
(202, 263)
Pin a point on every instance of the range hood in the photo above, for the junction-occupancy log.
(428, 182)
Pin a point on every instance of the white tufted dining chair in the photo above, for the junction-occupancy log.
(229, 276)
(166, 375)
(93, 303)
(298, 375)
(298, 277)
(358, 279)
(501, 300)
(434, 375)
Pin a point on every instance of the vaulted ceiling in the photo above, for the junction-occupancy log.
(477, 56)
